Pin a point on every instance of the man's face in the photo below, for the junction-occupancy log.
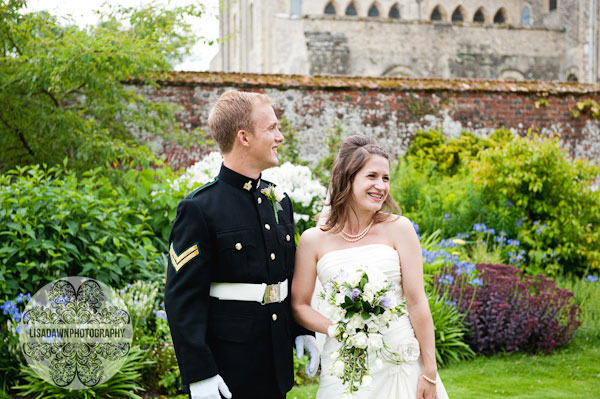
(265, 138)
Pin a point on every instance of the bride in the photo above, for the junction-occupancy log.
(358, 234)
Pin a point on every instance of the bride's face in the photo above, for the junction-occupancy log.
(371, 184)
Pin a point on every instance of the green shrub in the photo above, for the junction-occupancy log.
(431, 150)
(151, 189)
(55, 224)
(450, 332)
(451, 204)
(560, 229)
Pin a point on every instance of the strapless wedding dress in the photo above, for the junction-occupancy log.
(391, 381)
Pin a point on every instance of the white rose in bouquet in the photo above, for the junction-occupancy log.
(369, 292)
(375, 341)
(340, 298)
(373, 325)
(359, 340)
(355, 323)
(338, 368)
(336, 314)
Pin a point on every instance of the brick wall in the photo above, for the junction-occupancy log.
(392, 110)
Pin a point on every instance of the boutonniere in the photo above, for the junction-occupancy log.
(274, 195)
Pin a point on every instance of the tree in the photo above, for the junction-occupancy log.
(61, 86)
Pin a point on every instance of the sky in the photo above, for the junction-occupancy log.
(82, 12)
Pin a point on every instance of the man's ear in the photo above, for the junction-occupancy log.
(243, 138)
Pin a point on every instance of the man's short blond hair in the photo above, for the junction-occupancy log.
(232, 113)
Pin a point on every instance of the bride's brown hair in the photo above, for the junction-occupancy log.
(354, 153)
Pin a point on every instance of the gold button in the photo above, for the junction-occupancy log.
(238, 246)
(267, 226)
(287, 237)
(259, 200)
(272, 256)
(274, 317)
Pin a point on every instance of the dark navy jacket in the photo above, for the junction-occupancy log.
(226, 232)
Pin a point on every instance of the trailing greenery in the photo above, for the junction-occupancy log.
(55, 224)
(62, 92)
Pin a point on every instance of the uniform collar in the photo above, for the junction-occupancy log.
(237, 180)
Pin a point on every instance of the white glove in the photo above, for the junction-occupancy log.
(209, 388)
(310, 343)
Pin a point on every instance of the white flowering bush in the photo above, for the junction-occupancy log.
(297, 181)
(361, 305)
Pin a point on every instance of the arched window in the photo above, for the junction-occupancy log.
(552, 5)
(457, 15)
(572, 78)
(479, 17)
(499, 17)
(394, 12)
(351, 10)
(436, 15)
(373, 11)
(330, 9)
(525, 16)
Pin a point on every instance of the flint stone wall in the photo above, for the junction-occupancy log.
(392, 110)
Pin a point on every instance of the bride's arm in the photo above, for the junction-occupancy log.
(413, 287)
(303, 284)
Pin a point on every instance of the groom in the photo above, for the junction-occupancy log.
(231, 261)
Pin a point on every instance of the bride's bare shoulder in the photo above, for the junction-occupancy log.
(312, 236)
(400, 224)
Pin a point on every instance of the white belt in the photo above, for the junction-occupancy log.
(262, 293)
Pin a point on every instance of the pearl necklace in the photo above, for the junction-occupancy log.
(354, 238)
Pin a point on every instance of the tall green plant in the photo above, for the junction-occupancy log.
(450, 332)
(124, 384)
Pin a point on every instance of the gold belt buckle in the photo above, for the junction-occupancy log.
(272, 294)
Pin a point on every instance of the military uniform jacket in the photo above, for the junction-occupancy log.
(226, 231)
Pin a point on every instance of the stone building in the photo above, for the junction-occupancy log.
(506, 39)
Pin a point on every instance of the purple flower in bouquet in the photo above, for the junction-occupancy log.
(386, 302)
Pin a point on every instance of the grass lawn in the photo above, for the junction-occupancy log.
(573, 372)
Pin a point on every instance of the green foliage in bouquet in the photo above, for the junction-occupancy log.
(560, 226)
(55, 224)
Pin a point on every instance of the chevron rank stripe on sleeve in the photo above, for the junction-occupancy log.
(178, 261)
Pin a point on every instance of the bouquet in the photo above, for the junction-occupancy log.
(360, 306)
